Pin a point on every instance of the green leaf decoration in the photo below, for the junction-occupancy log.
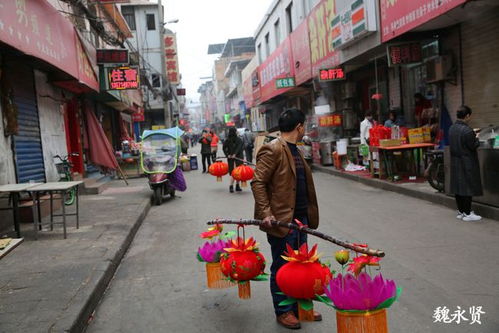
(288, 301)
(199, 257)
(389, 301)
(324, 299)
(306, 304)
(261, 277)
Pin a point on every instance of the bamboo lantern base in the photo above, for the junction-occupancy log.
(244, 289)
(367, 322)
(305, 315)
(214, 277)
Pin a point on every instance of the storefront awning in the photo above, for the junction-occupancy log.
(37, 29)
(101, 152)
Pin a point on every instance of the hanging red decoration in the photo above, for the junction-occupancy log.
(243, 173)
(219, 169)
(242, 262)
(303, 277)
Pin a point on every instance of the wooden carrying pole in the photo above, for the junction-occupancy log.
(345, 244)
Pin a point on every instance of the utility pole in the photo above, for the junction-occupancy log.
(164, 84)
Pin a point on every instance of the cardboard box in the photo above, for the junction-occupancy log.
(390, 142)
(416, 135)
(427, 134)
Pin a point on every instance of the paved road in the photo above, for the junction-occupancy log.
(438, 260)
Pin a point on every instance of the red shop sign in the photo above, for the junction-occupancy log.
(277, 65)
(403, 54)
(138, 115)
(400, 16)
(122, 78)
(300, 46)
(332, 74)
(333, 120)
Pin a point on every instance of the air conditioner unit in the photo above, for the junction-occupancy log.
(439, 69)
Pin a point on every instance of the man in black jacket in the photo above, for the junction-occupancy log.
(205, 142)
(465, 169)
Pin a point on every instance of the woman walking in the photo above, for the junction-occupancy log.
(233, 148)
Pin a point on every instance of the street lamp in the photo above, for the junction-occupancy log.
(171, 21)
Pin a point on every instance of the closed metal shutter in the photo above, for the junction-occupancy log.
(481, 68)
(27, 143)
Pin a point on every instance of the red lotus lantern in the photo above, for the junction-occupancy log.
(242, 262)
(219, 169)
(243, 173)
(303, 277)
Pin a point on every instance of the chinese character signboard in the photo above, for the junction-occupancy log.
(181, 92)
(109, 56)
(332, 120)
(301, 53)
(322, 53)
(403, 54)
(357, 20)
(138, 115)
(285, 82)
(400, 16)
(171, 65)
(332, 74)
(122, 78)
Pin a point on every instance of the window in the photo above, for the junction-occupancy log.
(289, 17)
(267, 46)
(277, 32)
(259, 49)
(129, 15)
(156, 83)
(151, 24)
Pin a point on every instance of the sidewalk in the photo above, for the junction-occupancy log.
(54, 284)
(420, 190)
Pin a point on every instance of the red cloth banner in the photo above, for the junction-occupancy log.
(171, 65)
(101, 152)
(400, 16)
(278, 65)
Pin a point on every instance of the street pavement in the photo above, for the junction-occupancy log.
(438, 260)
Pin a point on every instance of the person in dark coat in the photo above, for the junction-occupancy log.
(205, 142)
(233, 148)
(465, 169)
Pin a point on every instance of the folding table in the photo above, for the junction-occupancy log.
(14, 190)
(54, 187)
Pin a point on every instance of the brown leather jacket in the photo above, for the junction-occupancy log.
(274, 187)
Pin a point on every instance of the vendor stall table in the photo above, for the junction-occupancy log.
(385, 153)
(54, 187)
(14, 191)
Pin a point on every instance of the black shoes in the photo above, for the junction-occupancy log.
(238, 188)
(231, 189)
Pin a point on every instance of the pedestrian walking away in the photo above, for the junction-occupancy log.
(248, 143)
(214, 145)
(205, 142)
(465, 179)
(233, 148)
(280, 171)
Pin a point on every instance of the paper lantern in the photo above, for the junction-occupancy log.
(243, 173)
(242, 262)
(219, 169)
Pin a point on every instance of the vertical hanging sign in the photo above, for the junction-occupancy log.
(171, 65)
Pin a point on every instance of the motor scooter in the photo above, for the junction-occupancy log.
(159, 155)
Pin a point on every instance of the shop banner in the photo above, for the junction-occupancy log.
(400, 16)
(248, 92)
(138, 115)
(300, 46)
(255, 84)
(278, 65)
(322, 53)
(171, 65)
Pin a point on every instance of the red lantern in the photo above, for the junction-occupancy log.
(242, 262)
(243, 173)
(219, 169)
(303, 276)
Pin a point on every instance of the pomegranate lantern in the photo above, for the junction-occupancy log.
(243, 173)
(303, 276)
(242, 262)
(219, 169)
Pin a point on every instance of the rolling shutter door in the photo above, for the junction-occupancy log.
(27, 143)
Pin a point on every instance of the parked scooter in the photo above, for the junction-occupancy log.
(435, 173)
(159, 155)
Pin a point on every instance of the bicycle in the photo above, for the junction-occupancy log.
(64, 171)
(435, 173)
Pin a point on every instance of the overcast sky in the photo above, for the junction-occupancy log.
(204, 22)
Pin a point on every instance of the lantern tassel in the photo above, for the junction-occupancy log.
(215, 278)
(244, 289)
(305, 315)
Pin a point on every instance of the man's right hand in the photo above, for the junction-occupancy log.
(267, 222)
